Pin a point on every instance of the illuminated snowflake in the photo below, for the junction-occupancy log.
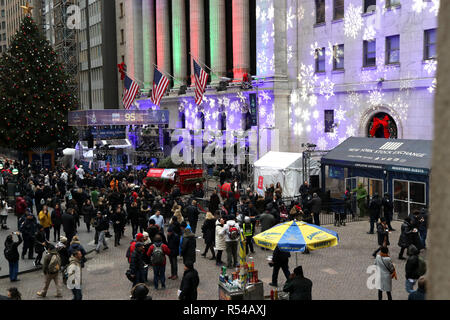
(430, 66)
(226, 102)
(187, 113)
(316, 51)
(353, 21)
(320, 127)
(294, 97)
(231, 118)
(435, 7)
(369, 33)
(350, 132)
(215, 115)
(212, 104)
(181, 108)
(366, 76)
(340, 114)
(263, 62)
(375, 98)
(306, 115)
(354, 98)
(290, 17)
(265, 38)
(307, 79)
(327, 88)
(322, 143)
(313, 100)
(333, 53)
(265, 96)
(333, 135)
(270, 12)
(316, 114)
(418, 5)
(433, 86)
(262, 112)
(298, 111)
(207, 115)
(401, 107)
(298, 128)
(406, 84)
(300, 13)
(234, 107)
(289, 53)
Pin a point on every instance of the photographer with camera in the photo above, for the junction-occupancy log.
(12, 255)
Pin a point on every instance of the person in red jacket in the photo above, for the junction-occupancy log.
(21, 208)
(157, 253)
(139, 238)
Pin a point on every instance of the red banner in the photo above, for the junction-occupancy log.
(261, 182)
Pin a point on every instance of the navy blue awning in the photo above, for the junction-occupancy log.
(409, 156)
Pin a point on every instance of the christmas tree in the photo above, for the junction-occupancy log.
(34, 94)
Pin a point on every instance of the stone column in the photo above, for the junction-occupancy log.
(179, 42)
(149, 47)
(241, 38)
(218, 47)
(133, 31)
(197, 35)
(163, 36)
(438, 287)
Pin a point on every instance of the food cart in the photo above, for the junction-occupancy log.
(165, 179)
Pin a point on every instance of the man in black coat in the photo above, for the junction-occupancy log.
(316, 207)
(173, 242)
(374, 210)
(304, 190)
(192, 215)
(405, 237)
(388, 210)
(280, 260)
(298, 287)
(214, 202)
(198, 192)
(69, 226)
(383, 235)
(189, 283)
(188, 246)
(267, 221)
(28, 228)
(137, 264)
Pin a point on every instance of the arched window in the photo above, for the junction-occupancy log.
(382, 125)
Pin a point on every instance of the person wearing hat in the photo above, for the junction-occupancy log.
(28, 226)
(189, 283)
(51, 268)
(140, 292)
(298, 287)
(137, 264)
(249, 231)
(188, 244)
(61, 246)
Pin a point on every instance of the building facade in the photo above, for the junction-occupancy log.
(325, 70)
(3, 32)
(97, 55)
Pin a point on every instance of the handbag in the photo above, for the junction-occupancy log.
(128, 274)
(393, 272)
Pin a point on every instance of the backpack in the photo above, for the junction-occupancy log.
(55, 264)
(233, 232)
(422, 267)
(8, 252)
(157, 257)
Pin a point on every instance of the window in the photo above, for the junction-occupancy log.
(338, 12)
(392, 3)
(338, 59)
(430, 44)
(320, 60)
(121, 10)
(408, 197)
(320, 11)
(370, 5)
(122, 38)
(393, 49)
(370, 58)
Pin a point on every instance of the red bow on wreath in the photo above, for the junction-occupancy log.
(122, 69)
(378, 123)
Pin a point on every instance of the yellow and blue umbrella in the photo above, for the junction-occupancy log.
(296, 236)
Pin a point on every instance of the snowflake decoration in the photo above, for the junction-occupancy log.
(333, 53)
(322, 143)
(313, 100)
(369, 33)
(298, 129)
(207, 115)
(316, 114)
(307, 79)
(340, 114)
(406, 84)
(306, 115)
(234, 107)
(435, 4)
(215, 115)
(181, 108)
(262, 112)
(375, 98)
(300, 13)
(354, 98)
(430, 66)
(290, 17)
(294, 97)
(270, 12)
(265, 96)
(401, 107)
(334, 134)
(265, 38)
(212, 104)
(353, 21)
(350, 132)
(231, 118)
(418, 5)
(226, 102)
(289, 54)
(316, 51)
(433, 86)
(366, 76)
(327, 88)
(241, 97)
(320, 127)
(187, 113)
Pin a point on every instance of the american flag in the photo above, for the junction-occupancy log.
(201, 77)
(130, 92)
(160, 84)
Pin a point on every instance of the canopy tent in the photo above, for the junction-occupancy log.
(282, 167)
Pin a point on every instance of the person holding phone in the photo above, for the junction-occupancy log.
(12, 255)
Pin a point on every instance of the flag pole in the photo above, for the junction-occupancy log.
(168, 74)
(204, 64)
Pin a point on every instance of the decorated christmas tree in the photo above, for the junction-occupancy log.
(34, 93)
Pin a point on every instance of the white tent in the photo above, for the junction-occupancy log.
(282, 167)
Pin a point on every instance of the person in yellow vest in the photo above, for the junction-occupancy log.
(248, 230)
(45, 220)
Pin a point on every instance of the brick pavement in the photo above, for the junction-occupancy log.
(337, 273)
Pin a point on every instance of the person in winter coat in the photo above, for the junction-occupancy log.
(231, 231)
(51, 269)
(75, 245)
(298, 287)
(420, 293)
(214, 202)
(388, 210)
(405, 237)
(316, 207)
(144, 212)
(220, 240)
(101, 225)
(175, 224)
(40, 243)
(192, 215)
(140, 292)
(61, 246)
(68, 223)
(28, 228)
(280, 260)
(375, 211)
(383, 235)
(133, 217)
(88, 214)
(415, 268)
(208, 230)
(74, 272)
(249, 230)
(189, 283)
(56, 218)
(4, 214)
(45, 220)
(119, 221)
(188, 246)
(20, 208)
(12, 255)
(173, 243)
(385, 271)
(267, 221)
(137, 264)
(157, 253)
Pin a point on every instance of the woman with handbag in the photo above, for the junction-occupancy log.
(385, 273)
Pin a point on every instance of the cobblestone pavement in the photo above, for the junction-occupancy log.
(338, 273)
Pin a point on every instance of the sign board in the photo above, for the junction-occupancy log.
(260, 188)
(90, 118)
(254, 109)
